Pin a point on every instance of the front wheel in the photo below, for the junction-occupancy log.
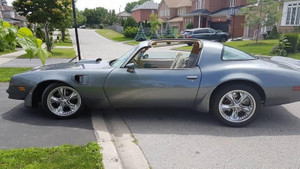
(62, 101)
(223, 39)
(236, 105)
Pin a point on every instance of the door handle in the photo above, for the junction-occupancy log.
(192, 77)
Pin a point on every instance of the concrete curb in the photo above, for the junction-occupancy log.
(119, 149)
(111, 159)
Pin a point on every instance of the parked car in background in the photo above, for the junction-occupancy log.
(183, 33)
(206, 33)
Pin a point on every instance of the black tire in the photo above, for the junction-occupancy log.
(189, 44)
(64, 98)
(223, 39)
(221, 101)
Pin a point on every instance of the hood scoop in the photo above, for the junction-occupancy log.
(97, 61)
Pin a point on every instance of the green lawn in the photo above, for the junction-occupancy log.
(132, 43)
(113, 35)
(6, 52)
(68, 41)
(6, 73)
(62, 157)
(263, 47)
(64, 53)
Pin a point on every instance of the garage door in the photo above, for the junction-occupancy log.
(220, 26)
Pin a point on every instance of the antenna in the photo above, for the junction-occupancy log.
(76, 30)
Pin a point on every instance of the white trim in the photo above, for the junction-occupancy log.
(290, 14)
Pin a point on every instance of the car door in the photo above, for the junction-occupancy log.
(212, 34)
(153, 87)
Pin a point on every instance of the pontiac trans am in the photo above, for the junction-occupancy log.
(212, 77)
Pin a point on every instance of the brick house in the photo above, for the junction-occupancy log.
(222, 15)
(290, 15)
(8, 14)
(142, 12)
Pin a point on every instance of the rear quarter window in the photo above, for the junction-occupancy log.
(230, 53)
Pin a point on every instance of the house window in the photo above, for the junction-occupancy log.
(232, 3)
(181, 11)
(291, 14)
(200, 4)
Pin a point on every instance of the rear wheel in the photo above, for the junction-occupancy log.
(236, 105)
(62, 101)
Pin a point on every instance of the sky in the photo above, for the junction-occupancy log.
(108, 4)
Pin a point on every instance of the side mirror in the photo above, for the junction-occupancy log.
(130, 67)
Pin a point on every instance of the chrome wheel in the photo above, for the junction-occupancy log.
(63, 101)
(237, 106)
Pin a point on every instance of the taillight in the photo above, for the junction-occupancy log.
(296, 88)
(189, 36)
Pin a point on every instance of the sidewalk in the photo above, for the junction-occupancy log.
(10, 60)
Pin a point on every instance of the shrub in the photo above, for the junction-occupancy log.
(130, 32)
(273, 34)
(130, 22)
(282, 47)
(189, 26)
(292, 39)
(2, 44)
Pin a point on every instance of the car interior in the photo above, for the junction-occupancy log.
(167, 58)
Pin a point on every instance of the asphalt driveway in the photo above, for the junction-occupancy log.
(25, 127)
(190, 140)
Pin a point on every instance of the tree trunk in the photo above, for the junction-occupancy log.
(63, 34)
(48, 39)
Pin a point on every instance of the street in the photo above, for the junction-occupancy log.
(178, 139)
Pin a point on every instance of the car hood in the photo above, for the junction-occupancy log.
(83, 64)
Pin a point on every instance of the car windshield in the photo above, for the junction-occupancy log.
(121, 60)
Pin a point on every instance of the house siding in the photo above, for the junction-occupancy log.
(142, 14)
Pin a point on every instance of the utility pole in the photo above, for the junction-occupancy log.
(76, 30)
(233, 14)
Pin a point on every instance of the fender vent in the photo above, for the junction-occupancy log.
(80, 79)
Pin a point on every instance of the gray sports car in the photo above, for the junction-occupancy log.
(211, 77)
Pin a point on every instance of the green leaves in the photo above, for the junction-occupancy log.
(32, 45)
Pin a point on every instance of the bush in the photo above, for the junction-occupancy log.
(101, 26)
(189, 26)
(292, 39)
(2, 44)
(130, 32)
(273, 34)
(282, 48)
(130, 22)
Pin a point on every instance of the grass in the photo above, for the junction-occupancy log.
(66, 53)
(263, 47)
(132, 43)
(6, 52)
(68, 41)
(113, 35)
(6, 73)
(62, 157)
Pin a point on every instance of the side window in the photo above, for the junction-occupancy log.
(166, 58)
(211, 31)
(234, 54)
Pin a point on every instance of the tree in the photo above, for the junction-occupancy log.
(260, 14)
(95, 16)
(130, 5)
(154, 23)
(44, 12)
(168, 32)
(25, 38)
(130, 22)
(111, 18)
(140, 36)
